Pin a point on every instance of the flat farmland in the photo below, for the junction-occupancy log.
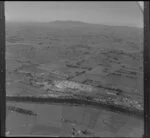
(74, 58)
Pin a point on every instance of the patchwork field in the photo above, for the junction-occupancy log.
(66, 58)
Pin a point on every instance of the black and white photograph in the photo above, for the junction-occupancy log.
(74, 68)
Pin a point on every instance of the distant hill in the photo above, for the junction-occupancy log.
(66, 23)
(78, 28)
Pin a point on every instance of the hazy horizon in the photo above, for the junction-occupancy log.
(110, 13)
(72, 21)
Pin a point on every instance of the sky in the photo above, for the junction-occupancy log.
(122, 13)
